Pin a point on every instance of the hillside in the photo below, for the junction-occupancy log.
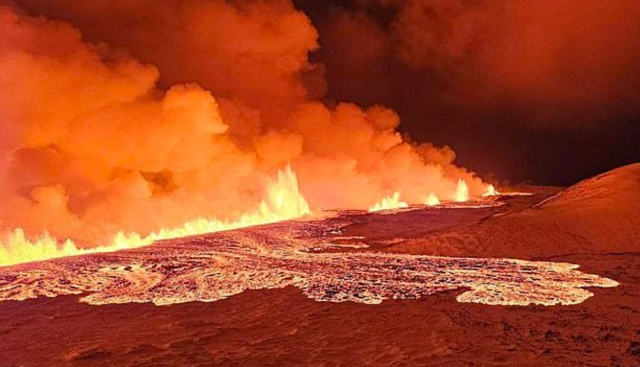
(597, 215)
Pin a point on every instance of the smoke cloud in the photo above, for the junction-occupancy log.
(137, 115)
(557, 65)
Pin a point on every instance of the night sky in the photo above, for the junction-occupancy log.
(573, 114)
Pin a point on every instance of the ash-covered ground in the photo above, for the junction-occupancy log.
(395, 299)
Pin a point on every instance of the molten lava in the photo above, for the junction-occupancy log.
(212, 267)
(462, 191)
(432, 200)
(491, 191)
(388, 203)
(283, 202)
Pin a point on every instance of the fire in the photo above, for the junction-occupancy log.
(432, 200)
(491, 191)
(225, 264)
(283, 202)
(388, 203)
(98, 142)
(462, 191)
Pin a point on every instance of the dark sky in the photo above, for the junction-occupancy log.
(544, 91)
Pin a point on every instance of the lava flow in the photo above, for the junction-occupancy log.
(213, 267)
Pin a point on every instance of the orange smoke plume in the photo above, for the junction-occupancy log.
(94, 142)
(283, 202)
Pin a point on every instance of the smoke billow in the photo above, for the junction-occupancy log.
(556, 65)
(138, 115)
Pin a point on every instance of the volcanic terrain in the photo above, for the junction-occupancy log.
(491, 283)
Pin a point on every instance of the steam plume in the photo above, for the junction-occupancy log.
(185, 112)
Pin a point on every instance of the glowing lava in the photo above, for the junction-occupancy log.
(283, 202)
(491, 191)
(216, 266)
(462, 191)
(389, 203)
(432, 200)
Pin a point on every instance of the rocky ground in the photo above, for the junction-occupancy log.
(594, 224)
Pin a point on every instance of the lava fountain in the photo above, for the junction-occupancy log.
(432, 200)
(462, 191)
(283, 202)
(389, 203)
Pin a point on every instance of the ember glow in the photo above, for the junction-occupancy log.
(217, 266)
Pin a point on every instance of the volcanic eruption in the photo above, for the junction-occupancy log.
(98, 150)
(242, 163)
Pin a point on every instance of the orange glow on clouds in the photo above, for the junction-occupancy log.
(95, 144)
